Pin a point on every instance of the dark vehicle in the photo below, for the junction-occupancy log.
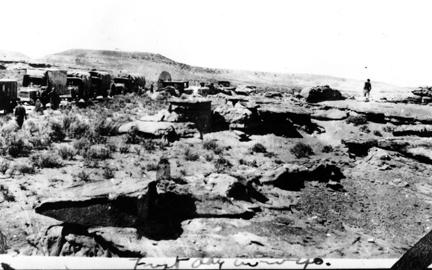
(100, 83)
(178, 85)
(29, 94)
(121, 85)
(79, 85)
(45, 79)
(126, 84)
(163, 77)
(224, 83)
(8, 95)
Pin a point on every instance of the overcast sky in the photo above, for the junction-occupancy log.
(384, 40)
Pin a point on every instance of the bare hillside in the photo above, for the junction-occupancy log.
(150, 65)
(12, 56)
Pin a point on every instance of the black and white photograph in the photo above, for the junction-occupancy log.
(243, 129)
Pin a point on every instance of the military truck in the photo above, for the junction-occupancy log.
(121, 85)
(100, 83)
(36, 81)
(127, 83)
(8, 95)
(180, 86)
(78, 84)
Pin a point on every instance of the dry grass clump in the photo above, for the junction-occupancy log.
(57, 132)
(66, 151)
(98, 151)
(83, 176)
(327, 149)
(213, 146)
(190, 155)
(356, 120)
(222, 164)
(258, 148)
(301, 150)
(46, 159)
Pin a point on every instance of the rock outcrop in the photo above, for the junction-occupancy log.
(321, 93)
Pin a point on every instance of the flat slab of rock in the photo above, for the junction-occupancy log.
(413, 130)
(393, 111)
(149, 127)
(331, 114)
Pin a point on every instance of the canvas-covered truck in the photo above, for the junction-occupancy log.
(127, 83)
(41, 80)
(100, 83)
(8, 95)
(57, 79)
(78, 84)
(120, 85)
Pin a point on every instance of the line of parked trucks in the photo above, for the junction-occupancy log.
(70, 85)
(51, 85)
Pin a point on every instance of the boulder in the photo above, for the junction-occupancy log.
(233, 117)
(359, 146)
(321, 93)
(220, 184)
(224, 185)
(292, 176)
(423, 91)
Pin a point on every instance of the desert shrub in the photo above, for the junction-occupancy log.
(4, 165)
(7, 195)
(124, 149)
(83, 176)
(252, 163)
(209, 156)
(356, 120)
(78, 129)
(301, 150)
(389, 129)
(94, 137)
(91, 163)
(46, 159)
(25, 168)
(66, 152)
(106, 127)
(149, 145)
(377, 133)
(56, 133)
(41, 141)
(98, 151)
(213, 146)
(190, 155)
(258, 148)
(364, 129)
(151, 166)
(108, 173)
(221, 164)
(133, 137)
(82, 145)
(16, 146)
(68, 119)
(327, 149)
(137, 150)
(111, 146)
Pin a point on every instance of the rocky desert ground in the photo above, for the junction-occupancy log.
(288, 171)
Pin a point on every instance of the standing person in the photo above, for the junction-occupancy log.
(20, 114)
(38, 106)
(54, 99)
(366, 89)
(151, 88)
